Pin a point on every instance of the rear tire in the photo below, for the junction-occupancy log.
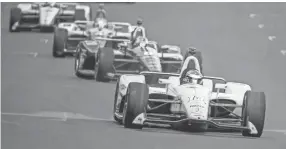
(254, 111)
(135, 104)
(60, 38)
(80, 15)
(15, 16)
(104, 64)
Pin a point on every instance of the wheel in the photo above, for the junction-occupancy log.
(103, 64)
(135, 103)
(15, 16)
(254, 111)
(115, 103)
(80, 15)
(77, 65)
(60, 37)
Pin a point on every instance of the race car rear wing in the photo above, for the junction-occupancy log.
(111, 39)
(160, 73)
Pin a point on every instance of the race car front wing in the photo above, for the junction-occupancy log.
(220, 123)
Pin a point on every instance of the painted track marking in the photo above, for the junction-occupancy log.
(58, 115)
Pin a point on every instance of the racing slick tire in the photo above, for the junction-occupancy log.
(77, 66)
(80, 15)
(104, 64)
(135, 103)
(254, 107)
(15, 16)
(60, 38)
(115, 102)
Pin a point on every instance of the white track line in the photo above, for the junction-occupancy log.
(8, 122)
(64, 118)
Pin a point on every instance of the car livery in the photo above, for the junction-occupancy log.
(154, 97)
(45, 15)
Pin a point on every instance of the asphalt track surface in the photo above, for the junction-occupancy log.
(44, 106)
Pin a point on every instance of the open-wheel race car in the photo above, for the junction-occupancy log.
(164, 98)
(114, 57)
(100, 57)
(68, 35)
(44, 16)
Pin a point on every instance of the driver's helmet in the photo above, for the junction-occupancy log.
(141, 41)
(193, 76)
(101, 25)
(192, 50)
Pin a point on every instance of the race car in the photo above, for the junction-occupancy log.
(170, 56)
(192, 105)
(68, 35)
(100, 57)
(123, 30)
(44, 16)
(118, 59)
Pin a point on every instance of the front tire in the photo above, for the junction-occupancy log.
(254, 112)
(135, 104)
(15, 16)
(104, 64)
(60, 38)
(77, 66)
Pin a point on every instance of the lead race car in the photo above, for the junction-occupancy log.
(45, 15)
(187, 102)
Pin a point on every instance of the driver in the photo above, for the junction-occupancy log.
(191, 76)
(100, 13)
